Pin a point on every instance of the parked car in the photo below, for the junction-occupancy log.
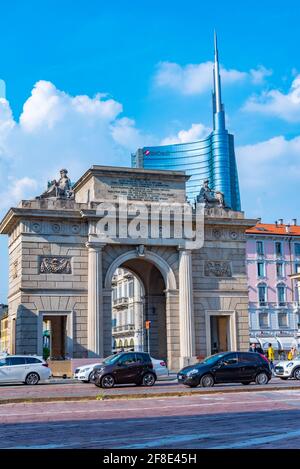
(227, 367)
(23, 368)
(286, 369)
(125, 368)
(83, 373)
(160, 367)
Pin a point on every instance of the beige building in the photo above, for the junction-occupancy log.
(4, 332)
(61, 272)
(127, 312)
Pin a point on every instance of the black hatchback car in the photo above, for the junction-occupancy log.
(227, 367)
(125, 368)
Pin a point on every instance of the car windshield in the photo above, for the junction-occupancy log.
(212, 358)
(111, 359)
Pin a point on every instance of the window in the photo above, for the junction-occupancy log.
(248, 357)
(278, 248)
(279, 269)
(263, 320)
(297, 268)
(282, 319)
(281, 294)
(127, 359)
(12, 361)
(32, 360)
(130, 294)
(3, 362)
(260, 269)
(230, 359)
(262, 294)
(297, 249)
(260, 248)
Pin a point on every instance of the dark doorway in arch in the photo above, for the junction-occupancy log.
(138, 296)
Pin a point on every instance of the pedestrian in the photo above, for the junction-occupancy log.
(292, 353)
(252, 348)
(271, 356)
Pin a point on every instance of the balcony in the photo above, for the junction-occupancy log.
(121, 330)
(128, 275)
(120, 303)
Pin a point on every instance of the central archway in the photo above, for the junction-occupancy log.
(159, 289)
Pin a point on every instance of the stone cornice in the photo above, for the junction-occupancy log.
(15, 214)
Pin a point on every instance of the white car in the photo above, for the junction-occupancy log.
(288, 368)
(83, 373)
(23, 368)
(160, 367)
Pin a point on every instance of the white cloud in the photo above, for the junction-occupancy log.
(259, 74)
(275, 103)
(270, 164)
(2, 89)
(55, 130)
(194, 79)
(269, 173)
(128, 136)
(194, 133)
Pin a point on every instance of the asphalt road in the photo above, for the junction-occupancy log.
(265, 419)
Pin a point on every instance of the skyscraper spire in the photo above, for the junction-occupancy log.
(217, 80)
(218, 108)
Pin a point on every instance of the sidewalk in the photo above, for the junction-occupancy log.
(70, 390)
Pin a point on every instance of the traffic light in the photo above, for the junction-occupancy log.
(147, 324)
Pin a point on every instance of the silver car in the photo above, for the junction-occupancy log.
(25, 369)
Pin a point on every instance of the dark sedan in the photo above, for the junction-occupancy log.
(125, 368)
(227, 367)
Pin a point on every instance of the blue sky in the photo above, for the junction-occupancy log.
(88, 82)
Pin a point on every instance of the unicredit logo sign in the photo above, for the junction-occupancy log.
(156, 153)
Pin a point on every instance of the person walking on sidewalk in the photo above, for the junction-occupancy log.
(292, 353)
(271, 356)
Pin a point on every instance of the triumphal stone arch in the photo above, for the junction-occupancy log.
(65, 246)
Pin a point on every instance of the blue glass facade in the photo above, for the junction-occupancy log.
(212, 158)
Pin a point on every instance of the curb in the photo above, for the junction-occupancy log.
(108, 397)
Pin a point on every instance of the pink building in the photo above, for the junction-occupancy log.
(273, 254)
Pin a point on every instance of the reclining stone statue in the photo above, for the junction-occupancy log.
(59, 189)
(210, 197)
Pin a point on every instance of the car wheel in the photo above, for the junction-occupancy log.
(262, 378)
(246, 382)
(207, 381)
(108, 381)
(32, 378)
(149, 379)
(297, 373)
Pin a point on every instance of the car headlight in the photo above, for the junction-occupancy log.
(289, 365)
(194, 371)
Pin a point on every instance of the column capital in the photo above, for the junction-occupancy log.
(183, 249)
(95, 246)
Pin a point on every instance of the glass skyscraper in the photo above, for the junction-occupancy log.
(212, 158)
